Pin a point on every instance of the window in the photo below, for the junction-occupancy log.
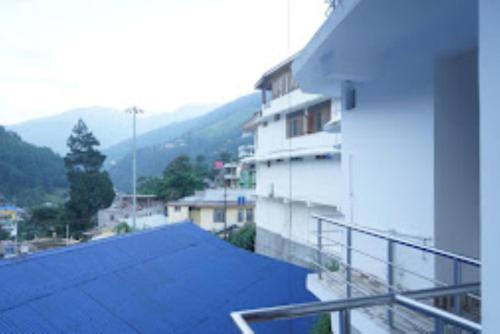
(249, 215)
(277, 117)
(241, 216)
(295, 124)
(350, 98)
(318, 116)
(177, 208)
(218, 215)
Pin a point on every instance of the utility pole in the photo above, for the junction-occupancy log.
(226, 234)
(134, 111)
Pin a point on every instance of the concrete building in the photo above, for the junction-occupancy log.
(10, 216)
(418, 83)
(206, 208)
(297, 163)
(150, 212)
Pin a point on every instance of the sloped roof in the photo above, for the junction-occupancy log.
(176, 279)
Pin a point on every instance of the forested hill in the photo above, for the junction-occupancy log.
(211, 134)
(29, 175)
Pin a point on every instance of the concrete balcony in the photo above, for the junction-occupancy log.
(294, 100)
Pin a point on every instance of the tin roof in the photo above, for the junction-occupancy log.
(175, 279)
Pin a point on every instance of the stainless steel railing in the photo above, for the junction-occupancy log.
(392, 297)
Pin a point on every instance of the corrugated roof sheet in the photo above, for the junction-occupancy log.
(177, 279)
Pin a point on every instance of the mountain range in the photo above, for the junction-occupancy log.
(109, 125)
(210, 135)
(29, 175)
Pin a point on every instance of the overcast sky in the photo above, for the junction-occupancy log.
(159, 54)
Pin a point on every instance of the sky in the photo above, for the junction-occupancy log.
(57, 55)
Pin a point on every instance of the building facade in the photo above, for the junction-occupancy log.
(212, 209)
(297, 163)
(409, 91)
(150, 213)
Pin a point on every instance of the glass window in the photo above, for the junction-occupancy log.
(177, 208)
(241, 216)
(249, 215)
(295, 124)
(218, 215)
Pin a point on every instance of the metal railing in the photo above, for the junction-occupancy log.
(458, 260)
(408, 300)
(393, 296)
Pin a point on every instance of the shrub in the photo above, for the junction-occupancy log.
(322, 326)
(244, 237)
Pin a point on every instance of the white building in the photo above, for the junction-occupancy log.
(419, 84)
(297, 163)
(150, 212)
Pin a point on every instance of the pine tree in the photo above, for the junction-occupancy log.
(91, 189)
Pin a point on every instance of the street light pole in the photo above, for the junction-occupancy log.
(134, 111)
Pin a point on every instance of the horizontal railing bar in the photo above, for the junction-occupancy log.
(330, 276)
(315, 308)
(435, 312)
(395, 266)
(432, 250)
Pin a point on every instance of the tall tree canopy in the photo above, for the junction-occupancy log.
(90, 187)
(180, 179)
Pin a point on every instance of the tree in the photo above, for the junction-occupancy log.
(4, 235)
(149, 185)
(201, 166)
(225, 157)
(179, 179)
(90, 188)
(43, 221)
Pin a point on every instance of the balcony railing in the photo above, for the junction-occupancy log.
(414, 311)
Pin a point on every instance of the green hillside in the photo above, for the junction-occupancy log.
(211, 134)
(29, 175)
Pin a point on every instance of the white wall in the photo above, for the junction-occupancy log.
(296, 97)
(177, 216)
(489, 74)
(315, 181)
(274, 216)
(388, 141)
(456, 136)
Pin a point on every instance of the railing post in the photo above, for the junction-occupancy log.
(457, 279)
(349, 261)
(438, 325)
(344, 322)
(390, 278)
(319, 251)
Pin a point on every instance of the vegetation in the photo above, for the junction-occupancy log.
(244, 237)
(209, 135)
(4, 235)
(90, 188)
(333, 266)
(123, 228)
(180, 178)
(29, 174)
(43, 222)
(323, 325)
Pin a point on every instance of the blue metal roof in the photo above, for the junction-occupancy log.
(177, 279)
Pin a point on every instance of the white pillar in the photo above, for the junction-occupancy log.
(489, 85)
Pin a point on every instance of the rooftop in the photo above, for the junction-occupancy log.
(176, 279)
(216, 196)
